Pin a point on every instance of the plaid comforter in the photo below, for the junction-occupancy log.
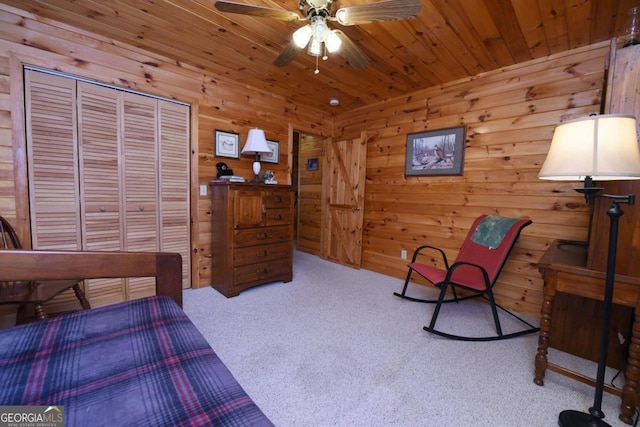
(137, 363)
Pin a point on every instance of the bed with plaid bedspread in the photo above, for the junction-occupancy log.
(136, 363)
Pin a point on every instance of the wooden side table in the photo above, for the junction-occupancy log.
(563, 269)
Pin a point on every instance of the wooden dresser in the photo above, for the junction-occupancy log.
(252, 235)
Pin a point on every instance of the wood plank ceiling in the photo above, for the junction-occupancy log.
(449, 40)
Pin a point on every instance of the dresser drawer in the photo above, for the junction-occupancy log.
(279, 216)
(279, 199)
(263, 235)
(255, 254)
(262, 272)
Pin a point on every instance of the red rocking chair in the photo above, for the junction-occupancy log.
(476, 269)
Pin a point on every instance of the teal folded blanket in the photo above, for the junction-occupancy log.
(491, 230)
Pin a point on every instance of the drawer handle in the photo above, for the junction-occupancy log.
(264, 235)
(141, 208)
(263, 253)
(103, 209)
(277, 217)
(263, 271)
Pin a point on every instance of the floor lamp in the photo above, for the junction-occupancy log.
(596, 148)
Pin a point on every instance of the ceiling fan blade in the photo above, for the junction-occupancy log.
(287, 55)
(253, 10)
(352, 53)
(388, 10)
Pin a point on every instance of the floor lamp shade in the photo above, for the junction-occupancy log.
(256, 144)
(603, 147)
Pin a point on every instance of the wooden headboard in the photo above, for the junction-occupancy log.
(52, 265)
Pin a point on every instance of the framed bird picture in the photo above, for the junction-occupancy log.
(226, 144)
(435, 152)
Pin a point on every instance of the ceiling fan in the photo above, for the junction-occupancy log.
(317, 36)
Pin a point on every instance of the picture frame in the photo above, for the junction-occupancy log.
(274, 156)
(435, 152)
(226, 144)
(312, 164)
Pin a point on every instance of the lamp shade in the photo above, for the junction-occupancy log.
(603, 147)
(333, 42)
(256, 142)
(302, 35)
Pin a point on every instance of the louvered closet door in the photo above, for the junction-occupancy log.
(99, 148)
(53, 168)
(53, 164)
(140, 187)
(174, 183)
(108, 170)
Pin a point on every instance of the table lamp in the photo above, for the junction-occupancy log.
(596, 148)
(256, 144)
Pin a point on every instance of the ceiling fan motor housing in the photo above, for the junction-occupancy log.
(315, 13)
(315, 4)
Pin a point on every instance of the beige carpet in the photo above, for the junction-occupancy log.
(334, 347)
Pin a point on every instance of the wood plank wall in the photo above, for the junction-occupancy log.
(510, 116)
(217, 103)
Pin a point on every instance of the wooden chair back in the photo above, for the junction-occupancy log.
(35, 293)
(8, 236)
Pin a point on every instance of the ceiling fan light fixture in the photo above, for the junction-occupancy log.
(315, 47)
(320, 28)
(333, 42)
(317, 32)
(302, 36)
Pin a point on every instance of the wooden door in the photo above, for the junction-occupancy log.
(108, 170)
(343, 196)
(139, 183)
(53, 162)
(100, 198)
(99, 167)
(53, 169)
(174, 182)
